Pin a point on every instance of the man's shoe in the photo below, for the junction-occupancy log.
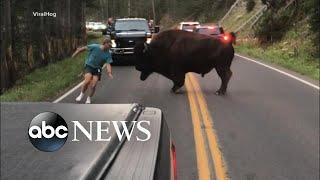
(88, 101)
(79, 98)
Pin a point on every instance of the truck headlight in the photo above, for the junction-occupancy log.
(113, 44)
(149, 40)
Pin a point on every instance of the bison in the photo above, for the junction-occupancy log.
(174, 53)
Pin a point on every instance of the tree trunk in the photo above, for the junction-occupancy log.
(7, 65)
(153, 12)
(129, 8)
(107, 8)
(83, 19)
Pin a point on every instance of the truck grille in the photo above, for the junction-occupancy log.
(129, 42)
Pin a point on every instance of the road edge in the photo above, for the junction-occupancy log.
(67, 93)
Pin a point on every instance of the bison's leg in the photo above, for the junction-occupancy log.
(225, 75)
(178, 82)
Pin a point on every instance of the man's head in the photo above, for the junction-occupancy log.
(110, 20)
(107, 43)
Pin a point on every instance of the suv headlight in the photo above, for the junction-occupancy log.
(149, 40)
(113, 44)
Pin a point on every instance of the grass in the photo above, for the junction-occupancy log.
(47, 82)
(302, 63)
(295, 51)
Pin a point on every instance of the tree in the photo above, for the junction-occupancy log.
(250, 5)
(7, 67)
(38, 40)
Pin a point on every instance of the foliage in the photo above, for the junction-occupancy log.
(312, 9)
(274, 4)
(250, 5)
(176, 9)
(276, 21)
(282, 16)
(33, 41)
(272, 27)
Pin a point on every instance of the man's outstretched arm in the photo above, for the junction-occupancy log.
(79, 50)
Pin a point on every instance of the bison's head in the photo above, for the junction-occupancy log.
(143, 60)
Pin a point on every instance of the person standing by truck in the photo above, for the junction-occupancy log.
(99, 54)
(109, 25)
(150, 24)
(109, 28)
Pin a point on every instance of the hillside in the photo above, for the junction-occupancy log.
(295, 50)
(239, 15)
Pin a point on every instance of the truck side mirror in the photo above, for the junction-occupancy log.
(156, 29)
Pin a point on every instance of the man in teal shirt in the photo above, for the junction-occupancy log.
(98, 55)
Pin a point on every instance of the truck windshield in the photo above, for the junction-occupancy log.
(189, 26)
(209, 31)
(131, 25)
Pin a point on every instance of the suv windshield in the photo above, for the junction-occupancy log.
(131, 25)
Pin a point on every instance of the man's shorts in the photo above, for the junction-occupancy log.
(93, 71)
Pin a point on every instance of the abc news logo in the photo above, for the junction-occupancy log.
(48, 131)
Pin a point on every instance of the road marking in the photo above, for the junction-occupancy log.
(280, 71)
(68, 93)
(201, 154)
(216, 154)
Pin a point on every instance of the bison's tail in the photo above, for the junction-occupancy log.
(229, 37)
(233, 37)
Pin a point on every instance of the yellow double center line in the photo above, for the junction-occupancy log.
(198, 105)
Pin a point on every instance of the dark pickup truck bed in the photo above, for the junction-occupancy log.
(85, 159)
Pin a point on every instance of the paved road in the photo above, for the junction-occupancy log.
(267, 127)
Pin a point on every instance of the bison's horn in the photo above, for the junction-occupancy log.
(145, 47)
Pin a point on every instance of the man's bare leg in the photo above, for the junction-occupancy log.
(92, 88)
(84, 87)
